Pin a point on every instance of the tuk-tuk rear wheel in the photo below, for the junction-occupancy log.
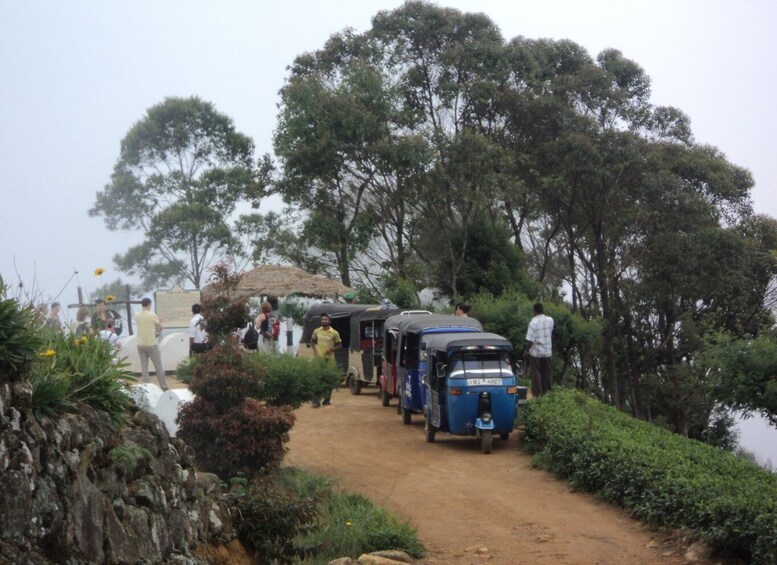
(354, 384)
(406, 416)
(504, 435)
(384, 397)
(485, 441)
(429, 430)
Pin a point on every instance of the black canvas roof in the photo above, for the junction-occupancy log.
(313, 315)
(374, 313)
(446, 341)
(416, 323)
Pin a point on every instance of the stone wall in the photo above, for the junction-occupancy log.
(75, 490)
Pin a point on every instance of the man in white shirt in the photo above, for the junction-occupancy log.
(539, 351)
(109, 334)
(198, 337)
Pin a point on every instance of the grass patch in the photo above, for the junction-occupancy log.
(348, 524)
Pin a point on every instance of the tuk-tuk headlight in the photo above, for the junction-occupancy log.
(486, 417)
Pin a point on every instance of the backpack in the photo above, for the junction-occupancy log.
(251, 337)
(275, 323)
(271, 327)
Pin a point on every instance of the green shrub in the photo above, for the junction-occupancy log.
(273, 516)
(660, 477)
(72, 370)
(184, 372)
(292, 381)
(231, 430)
(224, 377)
(126, 457)
(247, 439)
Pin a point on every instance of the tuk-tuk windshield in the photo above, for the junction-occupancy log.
(480, 364)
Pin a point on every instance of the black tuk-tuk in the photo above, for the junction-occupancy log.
(366, 347)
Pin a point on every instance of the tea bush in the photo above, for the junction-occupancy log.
(663, 478)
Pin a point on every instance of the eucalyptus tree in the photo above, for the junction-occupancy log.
(451, 70)
(180, 172)
(332, 139)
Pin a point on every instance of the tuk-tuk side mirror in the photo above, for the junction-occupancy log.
(519, 367)
(441, 369)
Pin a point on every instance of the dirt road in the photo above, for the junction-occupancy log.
(467, 507)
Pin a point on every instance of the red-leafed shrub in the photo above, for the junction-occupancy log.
(224, 378)
(247, 439)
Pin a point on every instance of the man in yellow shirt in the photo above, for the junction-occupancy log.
(325, 341)
(149, 327)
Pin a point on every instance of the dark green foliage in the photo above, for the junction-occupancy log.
(291, 381)
(493, 264)
(184, 372)
(745, 372)
(509, 315)
(247, 439)
(272, 515)
(19, 342)
(663, 478)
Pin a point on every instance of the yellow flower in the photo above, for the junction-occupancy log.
(49, 353)
(98, 271)
(110, 298)
(348, 523)
(81, 340)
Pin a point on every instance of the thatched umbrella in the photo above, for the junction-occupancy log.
(277, 280)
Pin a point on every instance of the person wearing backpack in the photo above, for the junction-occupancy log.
(267, 324)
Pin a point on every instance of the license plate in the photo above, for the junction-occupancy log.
(483, 382)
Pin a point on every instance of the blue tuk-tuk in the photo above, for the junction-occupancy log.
(470, 387)
(412, 336)
(388, 380)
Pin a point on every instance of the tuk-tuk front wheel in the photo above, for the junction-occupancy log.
(485, 441)
(354, 384)
(406, 415)
(384, 397)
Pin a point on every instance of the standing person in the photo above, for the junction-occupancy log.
(53, 322)
(101, 316)
(539, 351)
(461, 310)
(198, 337)
(82, 327)
(149, 328)
(325, 341)
(263, 324)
